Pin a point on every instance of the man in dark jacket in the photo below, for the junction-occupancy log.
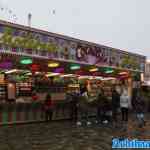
(115, 104)
(73, 106)
(101, 106)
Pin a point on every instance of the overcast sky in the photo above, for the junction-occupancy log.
(123, 24)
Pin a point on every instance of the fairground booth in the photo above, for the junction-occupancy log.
(35, 62)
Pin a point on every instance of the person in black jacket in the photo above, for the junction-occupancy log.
(115, 104)
(134, 95)
(101, 106)
(73, 106)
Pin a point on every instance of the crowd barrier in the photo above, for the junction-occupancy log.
(12, 113)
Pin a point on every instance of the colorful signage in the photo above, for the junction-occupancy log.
(66, 49)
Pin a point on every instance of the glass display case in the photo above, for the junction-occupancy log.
(3, 92)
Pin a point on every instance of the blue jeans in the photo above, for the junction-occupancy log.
(140, 118)
(83, 114)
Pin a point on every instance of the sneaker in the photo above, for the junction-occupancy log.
(79, 123)
(88, 123)
(105, 122)
(96, 121)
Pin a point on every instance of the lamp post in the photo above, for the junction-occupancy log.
(29, 19)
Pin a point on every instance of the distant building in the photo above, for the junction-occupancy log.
(147, 72)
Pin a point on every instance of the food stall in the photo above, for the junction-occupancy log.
(37, 62)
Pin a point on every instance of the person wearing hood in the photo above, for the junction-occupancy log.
(115, 104)
(124, 104)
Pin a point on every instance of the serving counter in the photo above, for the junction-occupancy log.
(11, 113)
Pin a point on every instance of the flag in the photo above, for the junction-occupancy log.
(53, 12)
(10, 11)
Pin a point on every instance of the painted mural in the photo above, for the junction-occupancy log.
(21, 41)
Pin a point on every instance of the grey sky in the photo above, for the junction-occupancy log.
(121, 24)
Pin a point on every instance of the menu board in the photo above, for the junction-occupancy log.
(24, 89)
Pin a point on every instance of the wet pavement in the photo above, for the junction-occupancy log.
(55, 136)
(64, 135)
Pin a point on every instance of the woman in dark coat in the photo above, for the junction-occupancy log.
(101, 106)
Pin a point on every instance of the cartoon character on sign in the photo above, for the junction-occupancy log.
(55, 42)
(73, 51)
(80, 53)
(60, 48)
(66, 53)
(99, 56)
(91, 54)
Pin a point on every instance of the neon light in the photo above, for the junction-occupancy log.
(68, 75)
(50, 74)
(93, 70)
(59, 70)
(35, 67)
(11, 71)
(26, 61)
(53, 64)
(123, 73)
(75, 67)
(29, 74)
(108, 78)
(109, 71)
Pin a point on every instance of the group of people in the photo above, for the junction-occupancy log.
(80, 106)
(136, 103)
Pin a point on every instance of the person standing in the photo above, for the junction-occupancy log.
(115, 104)
(140, 107)
(101, 106)
(124, 104)
(134, 95)
(48, 107)
(73, 106)
(83, 107)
